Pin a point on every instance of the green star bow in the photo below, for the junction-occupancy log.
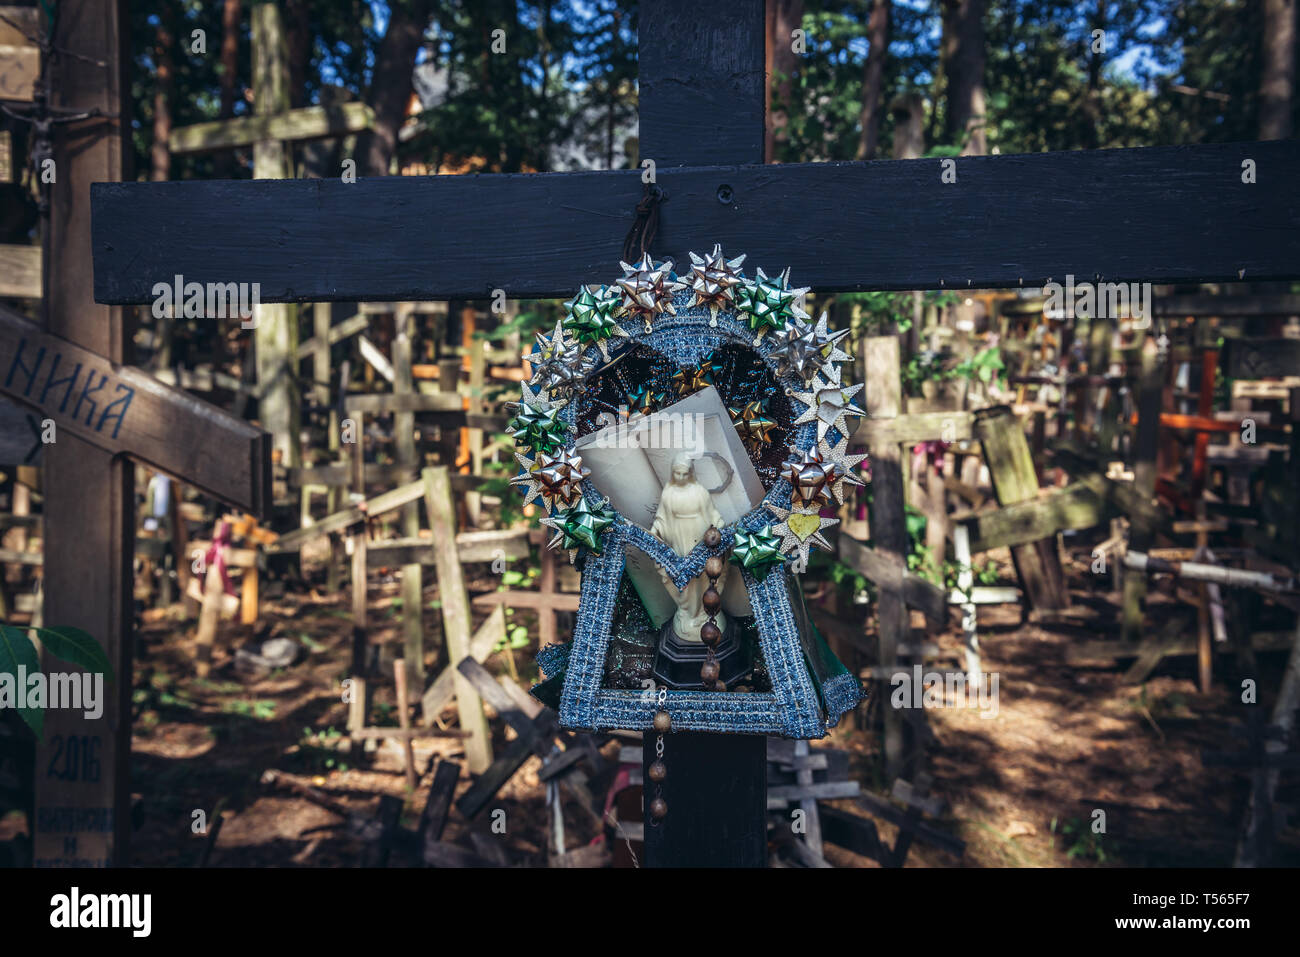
(593, 316)
(538, 428)
(769, 303)
(757, 552)
(580, 527)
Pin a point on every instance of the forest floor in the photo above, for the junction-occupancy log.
(1024, 780)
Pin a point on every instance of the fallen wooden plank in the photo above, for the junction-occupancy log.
(1106, 652)
(1073, 507)
(434, 817)
(403, 734)
(484, 641)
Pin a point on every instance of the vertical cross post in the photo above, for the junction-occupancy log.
(1141, 534)
(276, 334)
(701, 102)
(404, 433)
(89, 494)
(883, 399)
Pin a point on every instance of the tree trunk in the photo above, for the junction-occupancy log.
(1096, 58)
(783, 18)
(963, 48)
(391, 86)
(1277, 70)
(873, 79)
(160, 155)
(298, 33)
(223, 162)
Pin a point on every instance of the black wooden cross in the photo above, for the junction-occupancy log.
(1165, 214)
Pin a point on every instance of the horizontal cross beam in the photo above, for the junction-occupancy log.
(308, 123)
(1163, 214)
(126, 411)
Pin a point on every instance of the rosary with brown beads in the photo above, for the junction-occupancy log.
(711, 635)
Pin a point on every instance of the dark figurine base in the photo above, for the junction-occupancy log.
(677, 663)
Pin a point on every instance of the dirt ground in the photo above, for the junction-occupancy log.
(1023, 785)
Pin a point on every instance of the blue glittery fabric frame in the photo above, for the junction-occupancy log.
(793, 708)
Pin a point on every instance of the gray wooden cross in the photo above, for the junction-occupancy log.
(268, 131)
(840, 226)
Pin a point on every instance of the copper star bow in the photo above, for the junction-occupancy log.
(648, 289)
(644, 399)
(758, 552)
(580, 527)
(559, 365)
(811, 477)
(712, 281)
(769, 303)
(754, 424)
(561, 476)
(707, 373)
(593, 316)
(804, 350)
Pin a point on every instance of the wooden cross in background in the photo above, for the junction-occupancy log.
(75, 372)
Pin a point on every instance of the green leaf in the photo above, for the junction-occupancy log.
(76, 647)
(17, 649)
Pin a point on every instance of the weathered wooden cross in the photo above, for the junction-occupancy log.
(1006, 221)
(105, 413)
(270, 131)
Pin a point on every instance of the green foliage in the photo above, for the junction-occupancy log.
(1081, 840)
(68, 644)
(986, 365)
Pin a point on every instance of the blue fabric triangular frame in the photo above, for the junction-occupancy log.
(792, 708)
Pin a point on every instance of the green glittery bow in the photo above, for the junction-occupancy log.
(768, 302)
(582, 525)
(594, 316)
(757, 552)
(539, 429)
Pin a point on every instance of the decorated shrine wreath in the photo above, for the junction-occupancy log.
(623, 353)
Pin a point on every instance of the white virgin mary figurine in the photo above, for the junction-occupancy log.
(685, 513)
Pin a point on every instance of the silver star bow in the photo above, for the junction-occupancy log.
(829, 403)
(800, 530)
(845, 466)
(804, 350)
(559, 365)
